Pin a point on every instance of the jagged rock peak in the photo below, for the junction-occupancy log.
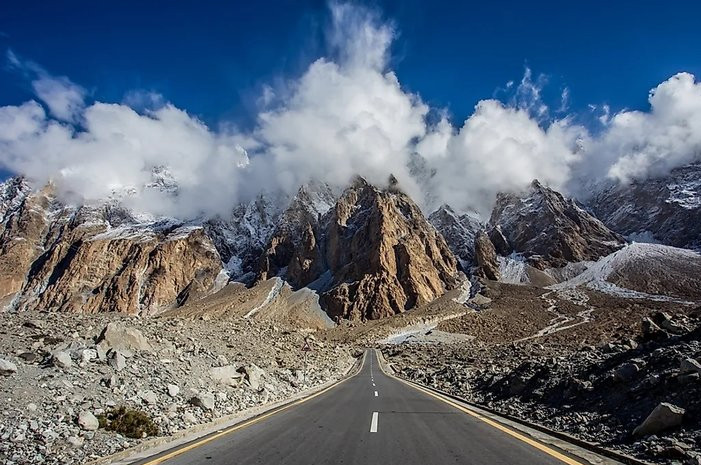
(459, 230)
(550, 230)
(372, 255)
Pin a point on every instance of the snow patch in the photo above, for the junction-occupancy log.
(274, 292)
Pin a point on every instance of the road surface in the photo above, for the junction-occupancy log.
(370, 418)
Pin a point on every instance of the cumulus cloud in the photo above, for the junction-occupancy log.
(347, 114)
(640, 144)
(64, 99)
(499, 148)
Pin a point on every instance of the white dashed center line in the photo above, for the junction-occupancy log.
(375, 393)
(373, 422)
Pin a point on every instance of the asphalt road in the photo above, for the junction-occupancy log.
(370, 418)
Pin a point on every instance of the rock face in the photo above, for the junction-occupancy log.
(459, 231)
(96, 258)
(549, 230)
(372, 255)
(241, 239)
(666, 209)
(486, 257)
(293, 243)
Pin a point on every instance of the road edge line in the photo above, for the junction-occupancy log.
(585, 445)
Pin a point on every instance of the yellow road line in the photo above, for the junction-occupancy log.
(500, 427)
(244, 424)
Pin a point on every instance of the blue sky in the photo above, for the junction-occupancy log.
(212, 58)
(268, 96)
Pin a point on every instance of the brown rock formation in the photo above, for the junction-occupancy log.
(551, 231)
(372, 255)
(61, 258)
(486, 257)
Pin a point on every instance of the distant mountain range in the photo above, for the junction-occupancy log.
(367, 252)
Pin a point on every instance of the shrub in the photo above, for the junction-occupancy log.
(129, 422)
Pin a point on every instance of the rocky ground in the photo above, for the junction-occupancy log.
(63, 378)
(639, 393)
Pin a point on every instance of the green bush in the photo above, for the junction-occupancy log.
(128, 422)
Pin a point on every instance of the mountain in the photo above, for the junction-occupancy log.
(459, 231)
(666, 209)
(97, 257)
(548, 230)
(372, 255)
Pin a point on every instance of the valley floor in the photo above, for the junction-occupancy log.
(577, 361)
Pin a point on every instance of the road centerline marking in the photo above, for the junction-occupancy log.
(373, 422)
(375, 393)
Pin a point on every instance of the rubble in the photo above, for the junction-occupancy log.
(90, 376)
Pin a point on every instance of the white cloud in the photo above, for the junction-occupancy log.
(64, 99)
(346, 115)
(641, 144)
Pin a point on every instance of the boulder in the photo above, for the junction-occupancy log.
(7, 367)
(254, 375)
(117, 336)
(663, 417)
(148, 397)
(116, 360)
(626, 372)
(62, 359)
(227, 374)
(690, 365)
(88, 421)
(203, 400)
(173, 390)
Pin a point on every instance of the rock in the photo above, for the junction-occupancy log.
(550, 230)
(117, 336)
(7, 367)
(381, 254)
(173, 390)
(87, 355)
(690, 365)
(29, 357)
(227, 374)
(663, 417)
(188, 417)
(148, 397)
(665, 321)
(32, 407)
(116, 360)
(203, 400)
(254, 375)
(76, 441)
(62, 359)
(626, 372)
(486, 257)
(33, 324)
(88, 421)
(459, 232)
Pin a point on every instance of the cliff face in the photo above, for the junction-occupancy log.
(666, 209)
(549, 230)
(459, 231)
(370, 256)
(84, 260)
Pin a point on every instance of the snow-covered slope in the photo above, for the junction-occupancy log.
(642, 270)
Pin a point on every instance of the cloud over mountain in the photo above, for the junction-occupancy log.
(346, 114)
